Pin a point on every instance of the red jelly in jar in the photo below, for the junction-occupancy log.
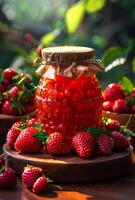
(68, 97)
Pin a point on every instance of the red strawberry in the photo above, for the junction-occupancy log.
(105, 144)
(120, 106)
(108, 105)
(83, 143)
(9, 73)
(133, 109)
(7, 108)
(4, 84)
(120, 140)
(7, 178)
(2, 161)
(30, 175)
(32, 122)
(112, 125)
(29, 108)
(133, 91)
(27, 143)
(113, 92)
(40, 185)
(56, 144)
(14, 132)
(13, 92)
(39, 50)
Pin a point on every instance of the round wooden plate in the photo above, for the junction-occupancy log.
(6, 121)
(71, 169)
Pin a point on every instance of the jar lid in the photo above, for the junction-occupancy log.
(67, 54)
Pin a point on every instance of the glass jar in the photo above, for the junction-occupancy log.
(68, 97)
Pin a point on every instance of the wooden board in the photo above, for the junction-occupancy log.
(71, 169)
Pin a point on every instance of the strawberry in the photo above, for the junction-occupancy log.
(113, 92)
(108, 105)
(2, 161)
(56, 144)
(13, 92)
(9, 73)
(7, 178)
(7, 108)
(120, 106)
(39, 50)
(30, 175)
(133, 109)
(111, 124)
(105, 144)
(4, 84)
(29, 108)
(32, 122)
(133, 91)
(120, 140)
(27, 142)
(40, 186)
(14, 132)
(83, 143)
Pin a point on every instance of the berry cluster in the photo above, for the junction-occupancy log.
(29, 137)
(16, 93)
(7, 175)
(117, 100)
(34, 179)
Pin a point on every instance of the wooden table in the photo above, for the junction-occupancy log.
(119, 189)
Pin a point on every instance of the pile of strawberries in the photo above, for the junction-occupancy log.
(30, 137)
(16, 93)
(32, 176)
(34, 179)
(117, 100)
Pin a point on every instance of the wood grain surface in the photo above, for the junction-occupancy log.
(72, 169)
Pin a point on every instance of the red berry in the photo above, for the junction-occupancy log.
(113, 92)
(133, 109)
(9, 73)
(133, 91)
(29, 37)
(4, 84)
(108, 105)
(2, 162)
(40, 185)
(13, 92)
(29, 108)
(14, 132)
(27, 143)
(112, 124)
(8, 178)
(7, 108)
(30, 175)
(120, 106)
(105, 144)
(39, 49)
(57, 144)
(83, 143)
(120, 140)
(32, 122)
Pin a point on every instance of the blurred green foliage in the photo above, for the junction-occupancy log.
(106, 25)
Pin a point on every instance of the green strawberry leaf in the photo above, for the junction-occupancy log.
(37, 126)
(41, 136)
(96, 131)
(127, 84)
(22, 126)
(127, 132)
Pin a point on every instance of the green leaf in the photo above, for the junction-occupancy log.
(41, 136)
(133, 65)
(94, 6)
(49, 37)
(96, 131)
(127, 132)
(127, 84)
(114, 56)
(74, 16)
(22, 126)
